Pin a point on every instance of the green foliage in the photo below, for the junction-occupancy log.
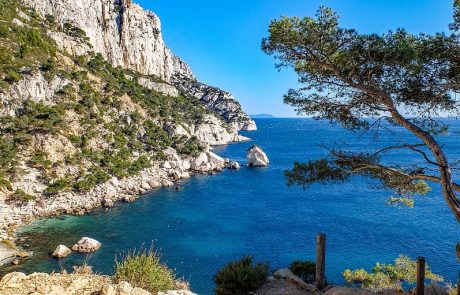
(240, 277)
(306, 270)
(388, 276)
(5, 184)
(20, 197)
(188, 146)
(342, 165)
(22, 47)
(8, 152)
(347, 77)
(94, 176)
(155, 137)
(120, 82)
(39, 160)
(57, 186)
(74, 31)
(143, 269)
(138, 165)
(34, 118)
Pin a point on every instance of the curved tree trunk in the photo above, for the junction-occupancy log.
(445, 173)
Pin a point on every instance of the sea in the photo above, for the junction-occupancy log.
(210, 220)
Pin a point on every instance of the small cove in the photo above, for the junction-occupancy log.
(214, 219)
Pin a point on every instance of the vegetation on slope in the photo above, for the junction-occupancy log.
(110, 125)
(143, 269)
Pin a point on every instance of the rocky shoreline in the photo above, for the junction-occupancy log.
(160, 175)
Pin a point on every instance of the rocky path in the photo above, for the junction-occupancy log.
(70, 284)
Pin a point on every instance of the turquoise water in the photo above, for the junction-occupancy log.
(214, 219)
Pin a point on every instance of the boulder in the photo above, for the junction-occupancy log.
(216, 161)
(435, 289)
(199, 161)
(86, 245)
(129, 199)
(108, 203)
(233, 165)
(61, 252)
(256, 156)
(289, 276)
(167, 165)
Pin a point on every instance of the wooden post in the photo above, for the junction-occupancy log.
(320, 261)
(420, 289)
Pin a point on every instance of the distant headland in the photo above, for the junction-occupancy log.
(261, 116)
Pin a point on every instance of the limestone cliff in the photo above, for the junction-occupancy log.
(124, 33)
(128, 36)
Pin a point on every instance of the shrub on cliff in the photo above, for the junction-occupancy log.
(240, 277)
(388, 276)
(20, 197)
(306, 270)
(143, 269)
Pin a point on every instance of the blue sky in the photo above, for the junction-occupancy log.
(221, 40)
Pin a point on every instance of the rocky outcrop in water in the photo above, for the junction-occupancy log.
(61, 251)
(86, 245)
(257, 157)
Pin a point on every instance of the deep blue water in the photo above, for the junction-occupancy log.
(215, 219)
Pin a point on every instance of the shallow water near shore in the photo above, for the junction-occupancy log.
(215, 219)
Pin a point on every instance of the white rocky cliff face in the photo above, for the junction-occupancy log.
(219, 101)
(123, 32)
(129, 36)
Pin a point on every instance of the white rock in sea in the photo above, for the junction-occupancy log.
(233, 165)
(86, 245)
(61, 251)
(256, 156)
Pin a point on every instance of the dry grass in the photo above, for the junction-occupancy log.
(143, 269)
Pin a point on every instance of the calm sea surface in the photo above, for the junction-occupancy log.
(214, 219)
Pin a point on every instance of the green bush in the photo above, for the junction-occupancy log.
(188, 146)
(8, 152)
(74, 31)
(34, 118)
(22, 47)
(240, 277)
(39, 160)
(143, 269)
(5, 184)
(20, 197)
(58, 186)
(141, 163)
(12, 76)
(388, 276)
(95, 176)
(306, 270)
